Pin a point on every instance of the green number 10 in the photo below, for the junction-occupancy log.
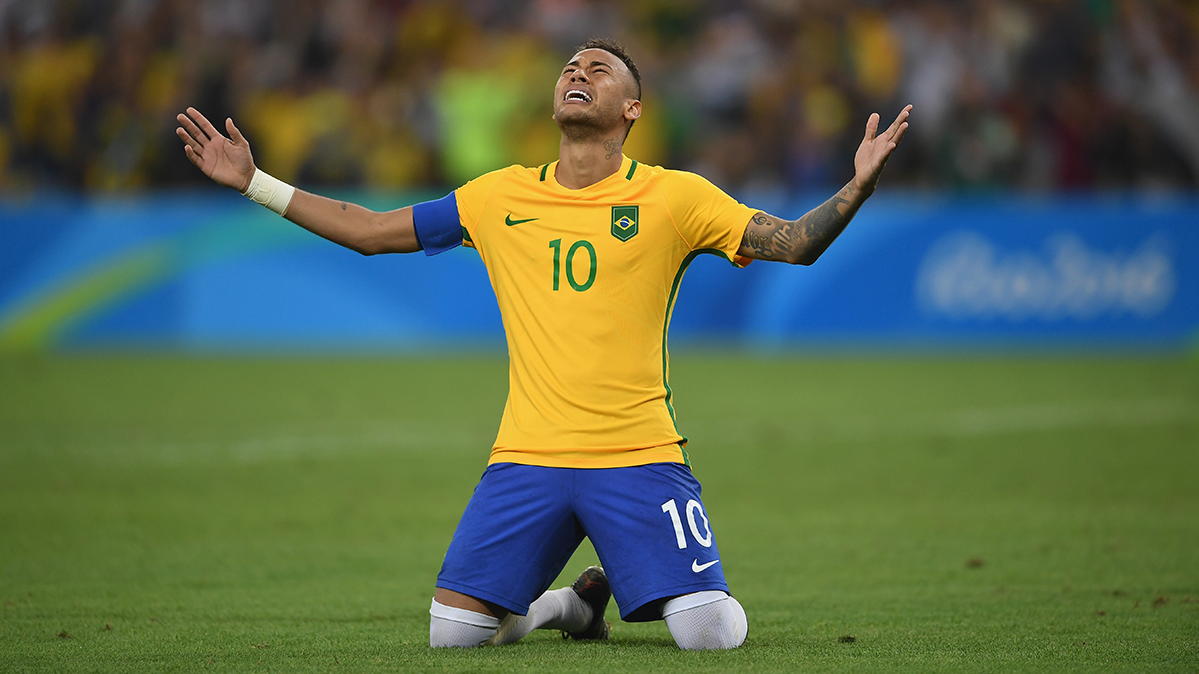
(556, 244)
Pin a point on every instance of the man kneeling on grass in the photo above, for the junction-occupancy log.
(585, 255)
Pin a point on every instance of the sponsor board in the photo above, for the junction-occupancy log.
(213, 272)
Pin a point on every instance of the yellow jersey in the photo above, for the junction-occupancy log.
(586, 281)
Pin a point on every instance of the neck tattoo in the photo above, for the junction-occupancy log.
(612, 146)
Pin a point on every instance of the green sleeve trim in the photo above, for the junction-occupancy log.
(543, 170)
(632, 170)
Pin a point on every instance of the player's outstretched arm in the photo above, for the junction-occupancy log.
(228, 161)
(802, 241)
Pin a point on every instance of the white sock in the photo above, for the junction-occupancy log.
(706, 620)
(560, 609)
(451, 627)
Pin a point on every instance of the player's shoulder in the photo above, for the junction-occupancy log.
(507, 176)
(675, 181)
(520, 172)
(513, 172)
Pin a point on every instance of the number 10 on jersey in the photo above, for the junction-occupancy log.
(584, 244)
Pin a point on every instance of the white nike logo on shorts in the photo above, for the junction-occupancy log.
(697, 567)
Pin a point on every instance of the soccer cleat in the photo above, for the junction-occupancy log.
(592, 587)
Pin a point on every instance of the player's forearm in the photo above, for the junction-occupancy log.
(350, 225)
(804, 240)
(819, 227)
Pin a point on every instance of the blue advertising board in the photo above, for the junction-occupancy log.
(209, 271)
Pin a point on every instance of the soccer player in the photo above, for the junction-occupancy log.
(585, 255)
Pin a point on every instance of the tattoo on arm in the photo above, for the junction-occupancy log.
(803, 240)
(612, 145)
(759, 243)
(343, 205)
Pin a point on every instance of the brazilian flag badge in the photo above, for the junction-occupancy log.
(624, 222)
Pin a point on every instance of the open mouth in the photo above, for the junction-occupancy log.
(577, 95)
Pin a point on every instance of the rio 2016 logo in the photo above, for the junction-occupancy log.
(965, 276)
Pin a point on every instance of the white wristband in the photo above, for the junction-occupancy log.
(269, 191)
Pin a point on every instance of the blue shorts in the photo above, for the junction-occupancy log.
(523, 523)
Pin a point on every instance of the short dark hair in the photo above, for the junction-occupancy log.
(613, 47)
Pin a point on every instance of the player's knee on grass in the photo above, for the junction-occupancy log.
(709, 620)
(451, 627)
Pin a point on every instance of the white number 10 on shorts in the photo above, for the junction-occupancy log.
(693, 507)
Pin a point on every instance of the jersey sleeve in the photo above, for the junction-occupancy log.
(472, 198)
(446, 223)
(437, 224)
(708, 219)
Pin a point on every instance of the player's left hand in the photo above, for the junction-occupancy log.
(874, 151)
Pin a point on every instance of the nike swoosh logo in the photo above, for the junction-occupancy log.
(697, 567)
(509, 221)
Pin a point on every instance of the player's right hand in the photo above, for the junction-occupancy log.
(226, 160)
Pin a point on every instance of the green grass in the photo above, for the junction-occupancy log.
(164, 514)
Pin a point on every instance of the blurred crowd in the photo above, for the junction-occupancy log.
(755, 95)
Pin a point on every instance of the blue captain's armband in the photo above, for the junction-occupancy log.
(437, 225)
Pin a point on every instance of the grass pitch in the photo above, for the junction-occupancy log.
(873, 514)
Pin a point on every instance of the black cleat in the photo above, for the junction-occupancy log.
(592, 587)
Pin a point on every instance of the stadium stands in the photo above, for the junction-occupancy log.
(758, 95)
